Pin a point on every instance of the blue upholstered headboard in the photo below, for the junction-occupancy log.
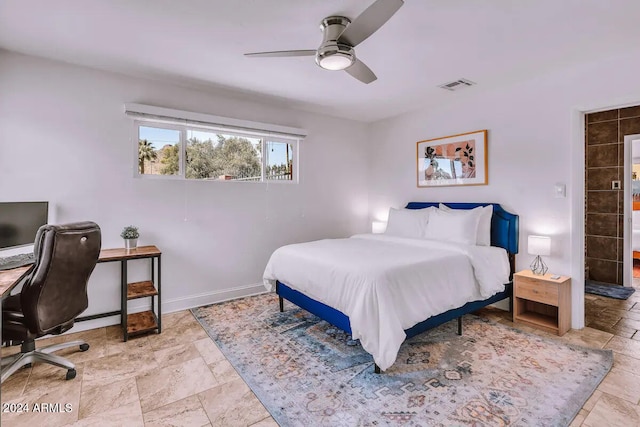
(504, 225)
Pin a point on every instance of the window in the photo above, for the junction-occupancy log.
(279, 161)
(201, 153)
(158, 151)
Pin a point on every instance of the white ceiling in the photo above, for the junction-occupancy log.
(426, 43)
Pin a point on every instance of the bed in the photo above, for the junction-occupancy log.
(383, 289)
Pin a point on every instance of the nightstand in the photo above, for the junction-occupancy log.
(542, 302)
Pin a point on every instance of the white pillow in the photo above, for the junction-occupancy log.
(484, 226)
(460, 226)
(483, 237)
(408, 222)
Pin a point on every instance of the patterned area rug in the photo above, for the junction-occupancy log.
(308, 373)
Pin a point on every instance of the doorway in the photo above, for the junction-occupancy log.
(608, 255)
(631, 208)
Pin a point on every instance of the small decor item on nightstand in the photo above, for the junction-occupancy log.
(130, 235)
(539, 245)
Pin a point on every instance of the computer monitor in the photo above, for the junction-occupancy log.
(19, 223)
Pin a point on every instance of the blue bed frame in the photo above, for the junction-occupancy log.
(504, 234)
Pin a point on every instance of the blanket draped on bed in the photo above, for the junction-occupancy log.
(387, 284)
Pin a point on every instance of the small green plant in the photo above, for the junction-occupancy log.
(130, 232)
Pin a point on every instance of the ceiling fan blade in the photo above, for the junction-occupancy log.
(369, 21)
(282, 53)
(360, 71)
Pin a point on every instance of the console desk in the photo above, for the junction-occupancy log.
(10, 278)
(135, 323)
(144, 321)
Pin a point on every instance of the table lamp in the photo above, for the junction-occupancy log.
(378, 227)
(539, 245)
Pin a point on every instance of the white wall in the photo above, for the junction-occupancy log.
(64, 138)
(536, 139)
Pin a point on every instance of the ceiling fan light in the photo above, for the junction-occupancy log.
(335, 61)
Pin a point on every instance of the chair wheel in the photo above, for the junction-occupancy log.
(84, 347)
(71, 374)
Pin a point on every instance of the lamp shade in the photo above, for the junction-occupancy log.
(378, 227)
(335, 61)
(539, 245)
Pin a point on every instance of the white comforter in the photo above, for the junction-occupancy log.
(388, 284)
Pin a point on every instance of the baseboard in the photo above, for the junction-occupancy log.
(177, 304)
(212, 297)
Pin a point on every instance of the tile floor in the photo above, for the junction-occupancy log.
(177, 378)
(180, 378)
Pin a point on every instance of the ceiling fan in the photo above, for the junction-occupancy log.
(339, 37)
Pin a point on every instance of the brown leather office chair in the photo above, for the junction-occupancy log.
(53, 295)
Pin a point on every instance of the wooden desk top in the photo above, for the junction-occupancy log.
(10, 278)
(119, 254)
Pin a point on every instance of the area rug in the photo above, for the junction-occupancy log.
(308, 373)
(606, 290)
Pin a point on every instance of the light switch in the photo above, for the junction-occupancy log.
(560, 190)
(615, 185)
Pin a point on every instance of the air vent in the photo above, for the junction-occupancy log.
(457, 84)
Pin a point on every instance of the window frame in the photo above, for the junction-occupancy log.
(264, 137)
(181, 161)
(294, 161)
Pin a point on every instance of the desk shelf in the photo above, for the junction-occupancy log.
(145, 321)
(141, 290)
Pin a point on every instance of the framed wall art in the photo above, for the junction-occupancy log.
(453, 160)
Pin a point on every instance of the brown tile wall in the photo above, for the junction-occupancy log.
(604, 162)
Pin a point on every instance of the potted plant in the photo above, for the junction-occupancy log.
(130, 235)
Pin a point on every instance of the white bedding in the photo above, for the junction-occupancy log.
(387, 284)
